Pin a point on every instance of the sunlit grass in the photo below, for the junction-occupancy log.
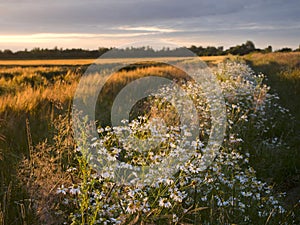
(212, 59)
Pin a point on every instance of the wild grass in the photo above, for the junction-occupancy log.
(283, 73)
(46, 62)
(78, 62)
(40, 91)
(283, 76)
(45, 170)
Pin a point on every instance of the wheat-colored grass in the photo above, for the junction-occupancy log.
(282, 58)
(213, 59)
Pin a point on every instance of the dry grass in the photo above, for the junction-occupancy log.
(283, 72)
(46, 62)
(283, 58)
(24, 89)
(213, 59)
(45, 170)
(29, 99)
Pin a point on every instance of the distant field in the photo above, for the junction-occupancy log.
(209, 59)
(46, 62)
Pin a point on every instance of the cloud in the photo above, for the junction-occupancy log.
(90, 15)
(71, 20)
(148, 29)
(44, 37)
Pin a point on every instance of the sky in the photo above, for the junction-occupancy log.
(90, 24)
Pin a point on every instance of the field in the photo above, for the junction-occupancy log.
(51, 62)
(283, 76)
(44, 180)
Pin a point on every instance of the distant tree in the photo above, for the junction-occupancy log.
(297, 49)
(243, 49)
(36, 49)
(208, 51)
(250, 46)
(194, 49)
(146, 51)
(8, 52)
(268, 49)
(284, 50)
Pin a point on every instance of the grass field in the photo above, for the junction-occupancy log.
(283, 76)
(209, 59)
(283, 71)
(35, 133)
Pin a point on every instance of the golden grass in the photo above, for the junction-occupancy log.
(213, 59)
(283, 65)
(19, 95)
(124, 76)
(28, 99)
(217, 59)
(46, 62)
(282, 58)
(23, 89)
(283, 73)
(26, 88)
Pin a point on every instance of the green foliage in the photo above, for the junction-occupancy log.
(243, 49)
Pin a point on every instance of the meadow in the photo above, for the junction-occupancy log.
(254, 180)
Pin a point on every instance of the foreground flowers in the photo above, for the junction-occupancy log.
(227, 191)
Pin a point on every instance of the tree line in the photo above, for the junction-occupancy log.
(78, 53)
